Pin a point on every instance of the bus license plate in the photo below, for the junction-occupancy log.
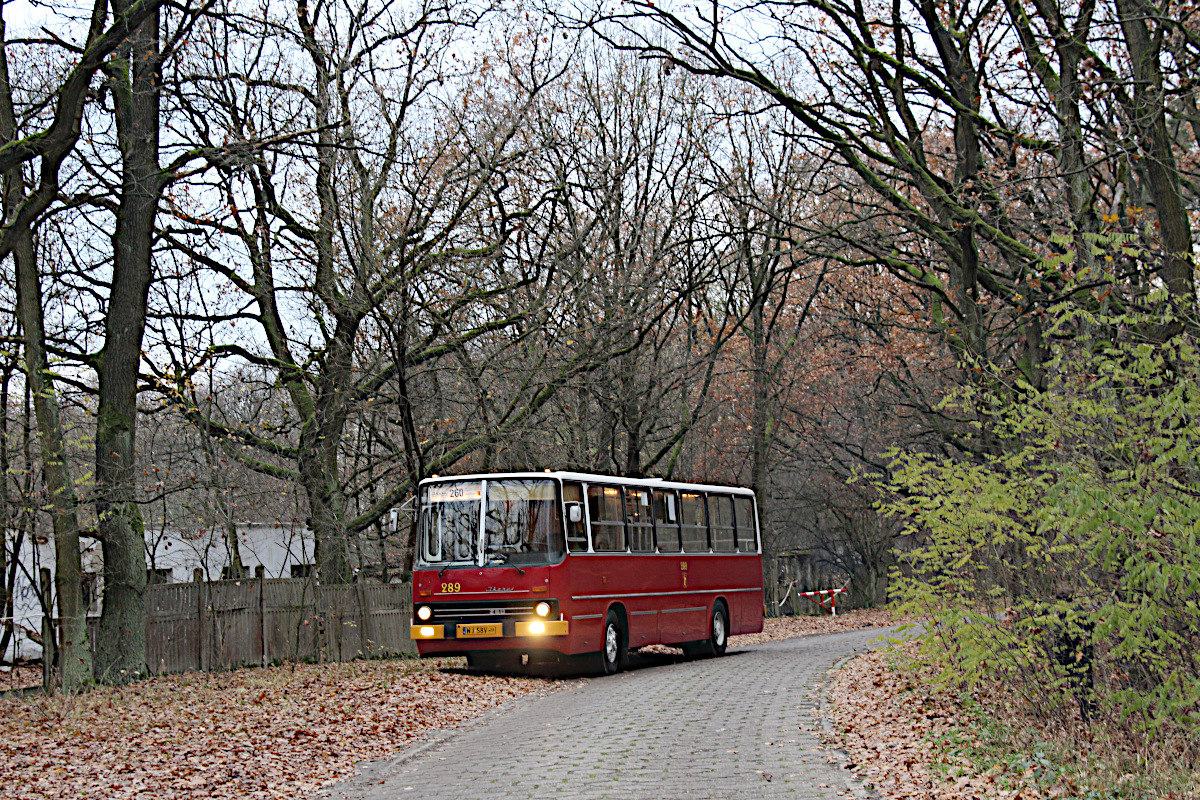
(481, 630)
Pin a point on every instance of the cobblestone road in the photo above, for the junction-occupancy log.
(741, 726)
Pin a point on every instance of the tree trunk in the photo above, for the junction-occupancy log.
(237, 568)
(75, 650)
(327, 506)
(136, 84)
(1148, 114)
(8, 569)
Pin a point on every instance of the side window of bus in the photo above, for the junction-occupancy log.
(666, 521)
(608, 523)
(694, 527)
(720, 518)
(746, 540)
(641, 527)
(577, 529)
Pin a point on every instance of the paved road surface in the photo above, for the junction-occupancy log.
(739, 727)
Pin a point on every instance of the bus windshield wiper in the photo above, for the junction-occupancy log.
(503, 558)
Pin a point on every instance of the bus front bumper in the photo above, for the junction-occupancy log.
(491, 630)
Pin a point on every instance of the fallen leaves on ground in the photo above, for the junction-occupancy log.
(276, 732)
(886, 726)
(888, 723)
(909, 738)
(263, 733)
(22, 676)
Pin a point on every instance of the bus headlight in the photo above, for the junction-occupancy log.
(542, 609)
(537, 628)
(424, 613)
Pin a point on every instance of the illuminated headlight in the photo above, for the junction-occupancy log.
(424, 613)
(427, 630)
(537, 627)
(542, 609)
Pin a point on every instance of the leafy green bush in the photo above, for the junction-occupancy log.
(1067, 562)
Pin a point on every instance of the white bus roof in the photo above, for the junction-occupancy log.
(588, 477)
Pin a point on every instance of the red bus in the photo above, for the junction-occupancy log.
(560, 567)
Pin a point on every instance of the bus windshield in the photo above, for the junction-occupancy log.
(521, 524)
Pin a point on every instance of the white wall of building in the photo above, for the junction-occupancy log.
(274, 547)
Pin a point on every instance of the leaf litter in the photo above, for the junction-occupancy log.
(275, 732)
(910, 736)
(259, 733)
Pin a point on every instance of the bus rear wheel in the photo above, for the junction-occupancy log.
(719, 639)
(612, 646)
(718, 636)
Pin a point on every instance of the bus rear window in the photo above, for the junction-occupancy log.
(746, 540)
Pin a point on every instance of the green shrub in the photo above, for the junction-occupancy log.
(1066, 562)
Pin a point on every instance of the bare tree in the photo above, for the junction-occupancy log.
(951, 143)
(52, 144)
(402, 238)
(74, 648)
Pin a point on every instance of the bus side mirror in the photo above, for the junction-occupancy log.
(575, 512)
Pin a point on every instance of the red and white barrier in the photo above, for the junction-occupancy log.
(825, 598)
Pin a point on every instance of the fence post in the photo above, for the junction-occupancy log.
(364, 620)
(201, 627)
(320, 596)
(49, 639)
(260, 572)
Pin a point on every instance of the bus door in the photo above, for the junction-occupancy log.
(575, 517)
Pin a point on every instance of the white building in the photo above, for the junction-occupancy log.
(172, 556)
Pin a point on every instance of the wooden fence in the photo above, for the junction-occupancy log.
(224, 624)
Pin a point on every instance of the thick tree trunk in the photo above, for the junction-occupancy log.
(326, 503)
(136, 84)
